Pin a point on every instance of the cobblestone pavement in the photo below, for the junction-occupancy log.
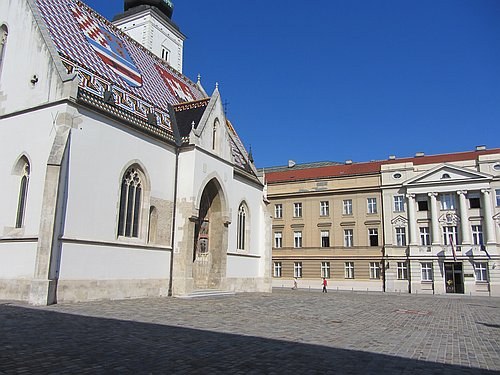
(300, 332)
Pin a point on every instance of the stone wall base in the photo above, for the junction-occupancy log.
(88, 290)
(247, 285)
(15, 289)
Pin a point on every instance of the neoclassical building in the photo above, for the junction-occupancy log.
(442, 223)
(424, 224)
(121, 177)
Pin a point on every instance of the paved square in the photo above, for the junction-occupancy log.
(301, 332)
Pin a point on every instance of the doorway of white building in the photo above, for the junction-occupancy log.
(454, 278)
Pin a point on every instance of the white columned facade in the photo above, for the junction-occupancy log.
(488, 217)
(436, 236)
(464, 218)
(412, 225)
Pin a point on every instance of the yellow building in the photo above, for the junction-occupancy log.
(327, 222)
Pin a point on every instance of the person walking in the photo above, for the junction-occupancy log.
(294, 283)
(325, 283)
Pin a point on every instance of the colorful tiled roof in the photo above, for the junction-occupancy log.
(106, 59)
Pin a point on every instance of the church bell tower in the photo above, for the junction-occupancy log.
(150, 23)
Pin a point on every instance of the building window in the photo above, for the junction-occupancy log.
(324, 208)
(325, 269)
(297, 269)
(297, 209)
(165, 53)
(278, 211)
(481, 271)
(278, 240)
(425, 237)
(325, 238)
(450, 235)
(423, 205)
(349, 270)
(214, 134)
(374, 270)
(373, 236)
(130, 204)
(399, 203)
(497, 197)
(242, 227)
(400, 236)
(348, 238)
(297, 239)
(477, 234)
(474, 202)
(426, 271)
(347, 207)
(447, 201)
(372, 205)
(277, 269)
(4, 32)
(402, 271)
(23, 193)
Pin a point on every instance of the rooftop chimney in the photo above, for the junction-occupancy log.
(480, 148)
(392, 157)
(348, 162)
(419, 154)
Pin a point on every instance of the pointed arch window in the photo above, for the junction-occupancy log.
(130, 203)
(23, 193)
(4, 32)
(242, 222)
(214, 134)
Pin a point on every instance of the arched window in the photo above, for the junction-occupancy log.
(214, 135)
(4, 32)
(242, 217)
(23, 192)
(130, 203)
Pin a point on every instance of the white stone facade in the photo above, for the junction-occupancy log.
(64, 163)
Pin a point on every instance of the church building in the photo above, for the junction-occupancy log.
(121, 177)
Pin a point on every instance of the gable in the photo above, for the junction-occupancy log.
(446, 174)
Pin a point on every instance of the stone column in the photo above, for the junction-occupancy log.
(464, 218)
(412, 225)
(436, 236)
(488, 217)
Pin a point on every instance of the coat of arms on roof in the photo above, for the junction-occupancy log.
(108, 47)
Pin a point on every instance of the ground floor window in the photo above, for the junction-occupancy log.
(297, 269)
(277, 269)
(349, 270)
(427, 271)
(481, 270)
(374, 270)
(325, 269)
(402, 271)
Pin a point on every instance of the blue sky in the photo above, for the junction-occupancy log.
(347, 79)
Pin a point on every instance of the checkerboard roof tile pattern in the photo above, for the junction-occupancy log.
(76, 30)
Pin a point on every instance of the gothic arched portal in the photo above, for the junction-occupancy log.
(210, 239)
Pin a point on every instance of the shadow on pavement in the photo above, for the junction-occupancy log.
(39, 342)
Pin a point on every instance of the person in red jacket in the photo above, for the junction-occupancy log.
(325, 283)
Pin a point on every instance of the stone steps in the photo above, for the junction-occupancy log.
(207, 293)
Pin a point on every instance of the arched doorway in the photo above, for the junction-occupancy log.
(209, 239)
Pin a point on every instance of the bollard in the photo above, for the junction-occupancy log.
(309, 288)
